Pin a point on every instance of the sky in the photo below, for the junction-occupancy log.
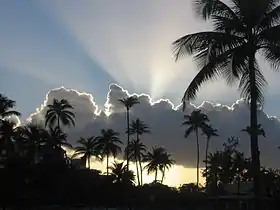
(87, 45)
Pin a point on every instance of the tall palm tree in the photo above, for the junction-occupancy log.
(196, 120)
(121, 174)
(241, 30)
(110, 145)
(6, 105)
(166, 164)
(155, 159)
(209, 132)
(88, 147)
(58, 111)
(136, 151)
(128, 103)
(138, 128)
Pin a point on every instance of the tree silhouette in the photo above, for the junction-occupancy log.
(54, 140)
(6, 105)
(128, 103)
(209, 132)
(138, 128)
(166, 164)
(136, 152)
(88, 147)
(195, 121)
(110, 144)
(241, 30)
(32, 136)
(259, 130)
(58, 111)
(7, 137)
(121, 174)
(155, 159)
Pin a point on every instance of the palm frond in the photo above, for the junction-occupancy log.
(10, 113)
(272, 55)
(199, 42)
(207, 8)
(246, 84)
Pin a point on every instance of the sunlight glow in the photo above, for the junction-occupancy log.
(140, 58)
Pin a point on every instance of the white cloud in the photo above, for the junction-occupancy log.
(165, 121)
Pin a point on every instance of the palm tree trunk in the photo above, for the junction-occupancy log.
(140, 164)
(88, 162)
(197, 163)
(156, 176)
(163, 175)
(128, 136)
(137, 171)
(58, 123)
(254, 123)
(238, 185)
(206, 159)
(141, 170)
(107, 163)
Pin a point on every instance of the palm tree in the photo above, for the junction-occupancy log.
(7, 137)
(121, 174)
(58, 111)
(139, 128)
(259, 130)
(195, 121)
(128, 103)
(136, 151)
(88, 147)
(54, 140)
(109, 144)
(241, 30)
(155, 159)
(5, 107)
(166, 163)
(32, 138)
(209, 132)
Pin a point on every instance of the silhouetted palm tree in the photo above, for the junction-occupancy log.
(128, 103)
(110, 144)
(32, 138)
(136, 151)
(259, 130)
(166, 164)
(7, 137)
(58, 111)
(6, 105)
(195, 121)
(121, 174)
(209, 132)
(154, 158)
(241, 30)
(88, 147)
(55, 139)
(139, 128)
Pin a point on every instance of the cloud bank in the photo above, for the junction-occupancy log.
(164, 120)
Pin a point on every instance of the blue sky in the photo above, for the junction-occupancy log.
(88, 44)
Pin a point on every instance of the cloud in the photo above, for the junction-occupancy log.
(85, 109)
(164, 120)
